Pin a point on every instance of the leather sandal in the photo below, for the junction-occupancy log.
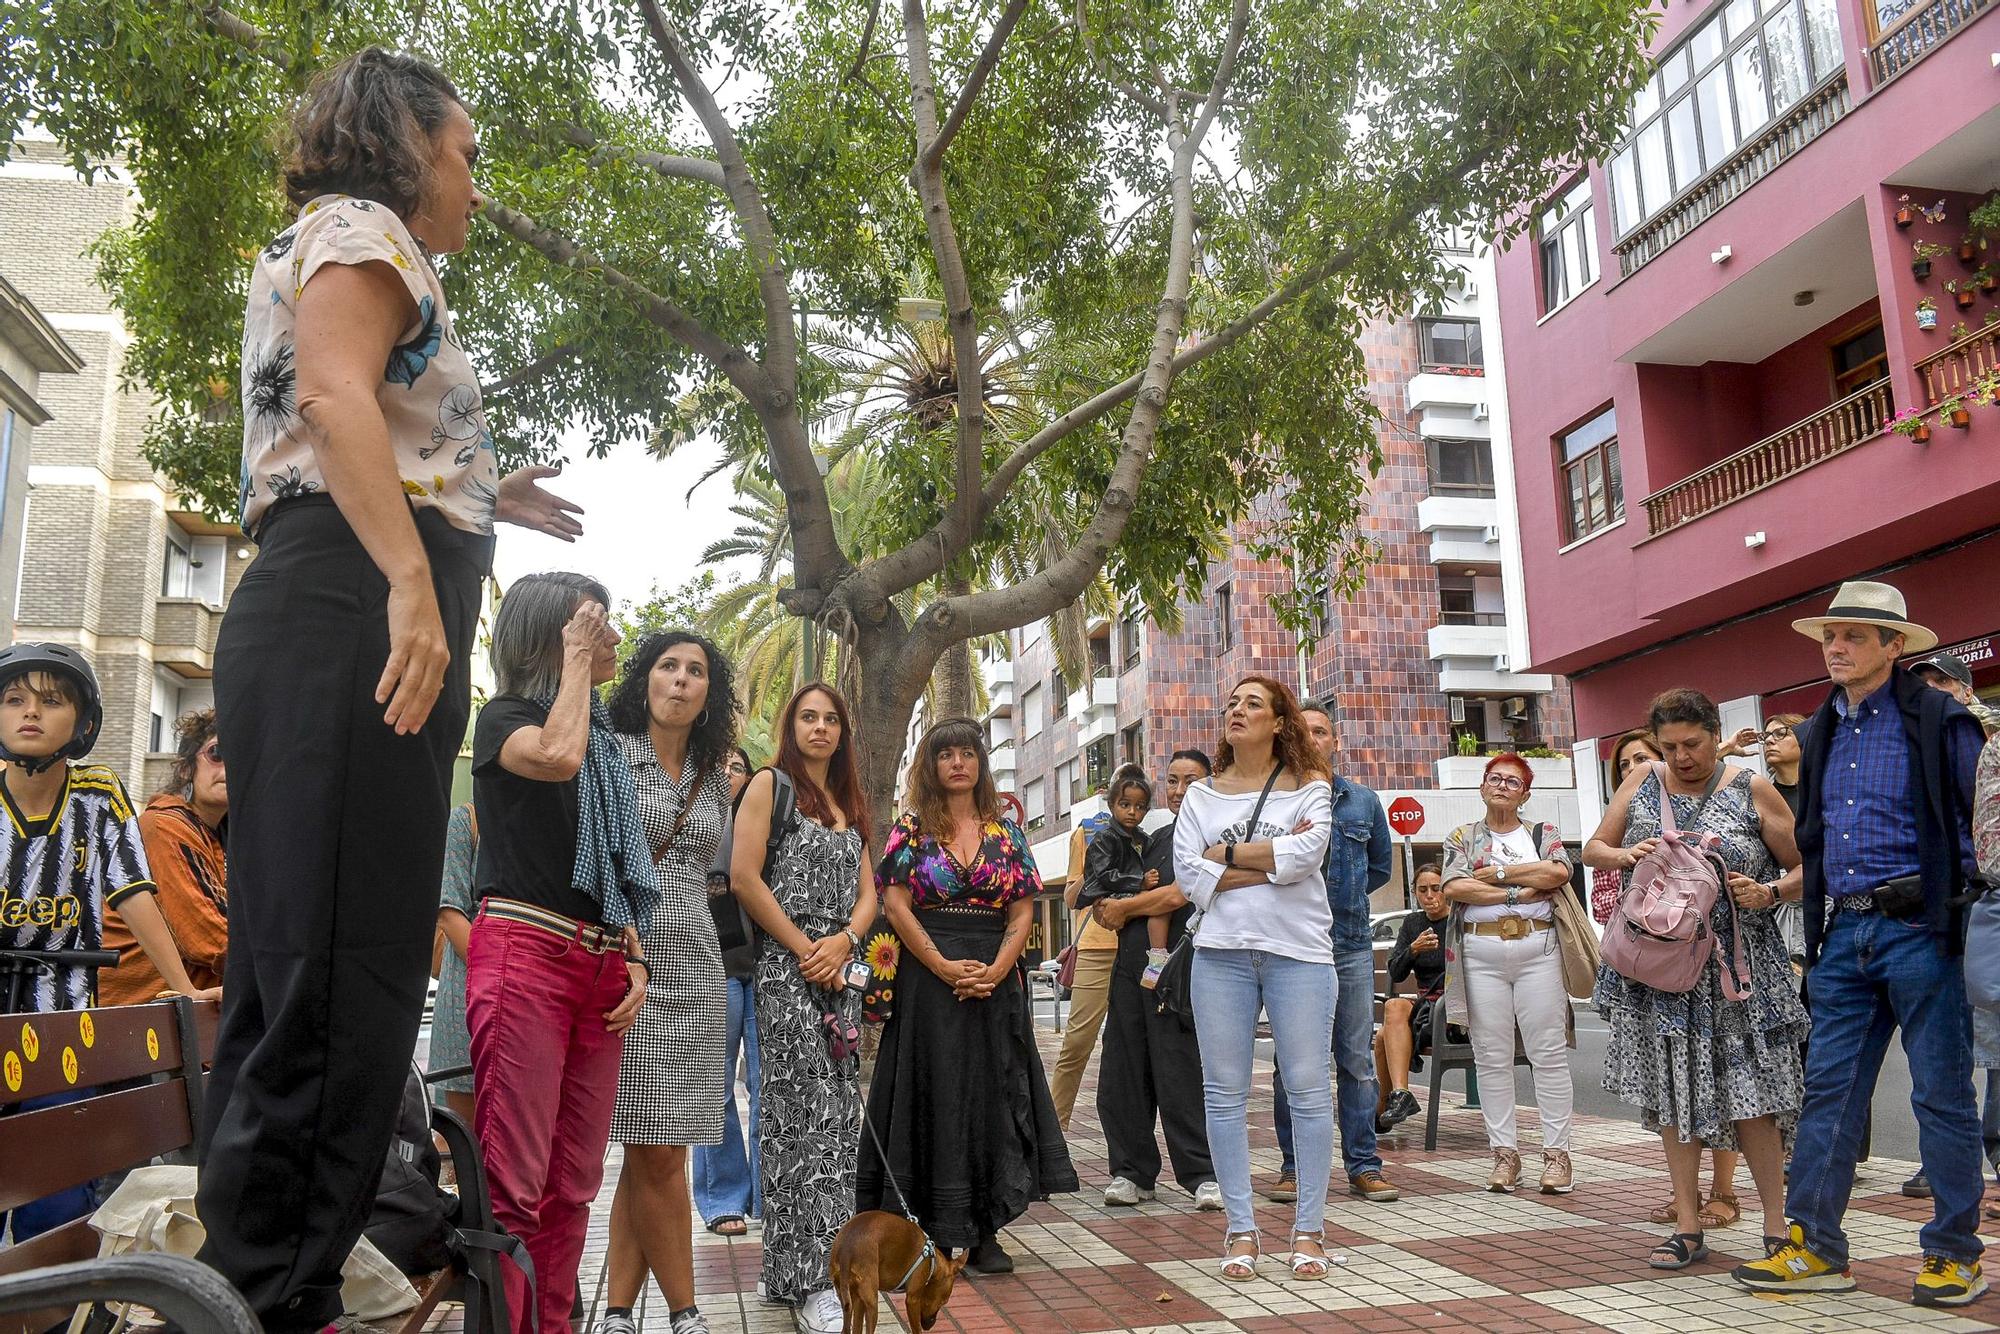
(1662, 1213)
(1678, 1251)
(1720, 1211)
(1309, 1268)
(1240, 1268)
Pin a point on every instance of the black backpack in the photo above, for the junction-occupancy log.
(413, 1218)
(733, 930)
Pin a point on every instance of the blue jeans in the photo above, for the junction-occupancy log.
(1354, 1057)
(1876, 974)
(726, 1184)
(1228, 988)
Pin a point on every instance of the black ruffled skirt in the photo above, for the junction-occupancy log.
(959, 1098)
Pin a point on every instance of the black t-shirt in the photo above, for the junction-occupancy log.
(527, 828)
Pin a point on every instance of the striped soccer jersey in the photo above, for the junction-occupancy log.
(60, 873)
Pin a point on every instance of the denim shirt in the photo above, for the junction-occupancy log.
(1357, 862)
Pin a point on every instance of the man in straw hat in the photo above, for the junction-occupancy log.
(1885, 795)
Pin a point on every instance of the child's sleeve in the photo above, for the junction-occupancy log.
(122, 869)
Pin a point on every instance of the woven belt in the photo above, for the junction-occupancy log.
(589, 935)
(1511, 928)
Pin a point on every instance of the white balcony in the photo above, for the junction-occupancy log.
(1464, 530)
(1443, 389)
(1095, 708)
(1475, 644)
(999, 676)
(1467, 771)
(1004, 762)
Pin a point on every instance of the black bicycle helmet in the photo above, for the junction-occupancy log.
(18, 660)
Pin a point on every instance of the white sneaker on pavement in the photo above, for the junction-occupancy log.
(1208, 1197)
(1124, 1193)
(820, 1314)
(617, 1324)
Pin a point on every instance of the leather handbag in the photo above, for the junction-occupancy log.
(1173, 993)
(1066, 967)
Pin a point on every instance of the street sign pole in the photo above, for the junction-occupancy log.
(1409, 895)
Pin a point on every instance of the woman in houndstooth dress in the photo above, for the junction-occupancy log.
(673, 703)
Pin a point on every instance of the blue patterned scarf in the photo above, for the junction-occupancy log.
(614, 862)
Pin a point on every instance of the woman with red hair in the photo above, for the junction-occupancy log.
(810, 903)
(1502, 876)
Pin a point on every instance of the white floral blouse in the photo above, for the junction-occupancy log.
(429, 394)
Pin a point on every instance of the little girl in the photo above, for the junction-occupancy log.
(1113, 868)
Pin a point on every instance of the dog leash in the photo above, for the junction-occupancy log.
(929, 1252)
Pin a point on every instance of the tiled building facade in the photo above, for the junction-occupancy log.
(1412, 662)
(111, 561)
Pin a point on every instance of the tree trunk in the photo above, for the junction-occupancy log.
(891, 683)
(952, 681)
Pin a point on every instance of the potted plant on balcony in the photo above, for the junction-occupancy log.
(1962, 290)
(1468, 744)
(1905, 213)
(1955, 411)
(1986, 277)
(1913, 423)
(1959, 331)
(1925, 252)
(1927, 314)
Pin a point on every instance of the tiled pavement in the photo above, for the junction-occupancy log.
(1447, 1256)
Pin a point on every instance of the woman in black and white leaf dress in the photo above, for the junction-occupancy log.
(810, 906)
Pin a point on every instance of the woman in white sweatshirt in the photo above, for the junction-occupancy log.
(1249, 849)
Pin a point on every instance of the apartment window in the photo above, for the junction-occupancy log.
(1453, 343)
(1128, 632)
(6, 460)
(1591, 481)
(1065, 785)
(1096, 764)
(177, 573)
(1460, 467)
(1859, 360)
(1225, 619)
(1070, 776)
(1567, 235)
(1058, 696)
(1031, 713)
(1132, 744)
(1034, 804)
(1714, 92)
(1100, 655)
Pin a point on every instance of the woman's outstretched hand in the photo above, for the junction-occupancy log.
(525, 504)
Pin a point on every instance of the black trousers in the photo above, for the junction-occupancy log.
(1150, 1066)
(336, 846)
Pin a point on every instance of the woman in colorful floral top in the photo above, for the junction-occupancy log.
(958, 1066)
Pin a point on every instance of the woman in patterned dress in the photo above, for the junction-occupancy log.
(1702, 1068)
(675, 712)
(810, 905)
(959, 1098)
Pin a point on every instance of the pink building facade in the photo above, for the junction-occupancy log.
(1709, 336)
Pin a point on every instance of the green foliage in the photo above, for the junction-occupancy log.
(1352, 137)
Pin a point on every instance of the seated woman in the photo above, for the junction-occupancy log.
(1407, 1020)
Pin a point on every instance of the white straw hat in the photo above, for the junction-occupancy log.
(1859, 601)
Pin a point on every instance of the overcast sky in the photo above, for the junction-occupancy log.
(638, 527)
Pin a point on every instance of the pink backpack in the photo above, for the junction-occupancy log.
(1659, 933)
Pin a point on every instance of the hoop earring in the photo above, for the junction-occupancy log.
(702, 721)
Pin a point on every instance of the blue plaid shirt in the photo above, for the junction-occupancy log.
(1867, 802)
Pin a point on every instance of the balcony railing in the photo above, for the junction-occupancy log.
(1860, 416)
(1954, 369)
(1807, 121)
(1472, 618)
(1912, 35)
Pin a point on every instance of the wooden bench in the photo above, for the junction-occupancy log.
(143, 1068)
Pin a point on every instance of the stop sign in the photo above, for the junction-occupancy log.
(1406, 815)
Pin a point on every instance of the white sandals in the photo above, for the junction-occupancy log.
(1310, 1268)
(1240, 1268)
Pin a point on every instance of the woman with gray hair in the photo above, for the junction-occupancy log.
(555, 971)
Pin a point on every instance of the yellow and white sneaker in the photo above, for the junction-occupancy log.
(1793, 1267)
(1947, 1282)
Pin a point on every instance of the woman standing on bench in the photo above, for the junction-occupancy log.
(555, 971)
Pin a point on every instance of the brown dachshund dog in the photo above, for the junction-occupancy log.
(881, 1252)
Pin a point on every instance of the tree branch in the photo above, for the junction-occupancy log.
(975, 82)
(927, 175)
(533, 371)
(669, 165)
(1123, 84)
(867, 40)
(734, 363)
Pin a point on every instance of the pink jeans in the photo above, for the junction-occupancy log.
(545, 1077)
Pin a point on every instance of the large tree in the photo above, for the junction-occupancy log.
(1210, 196)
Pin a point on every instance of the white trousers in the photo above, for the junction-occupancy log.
(1513, 984)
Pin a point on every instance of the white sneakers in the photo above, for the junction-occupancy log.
(820, 1314)
(1208, 1197)
(1124, 1193)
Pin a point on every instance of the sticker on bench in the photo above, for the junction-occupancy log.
(152, 1044)
(86, 1029)
(11, 1067)
(31, 1044)
(69, 1064)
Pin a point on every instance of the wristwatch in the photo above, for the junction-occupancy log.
(1229, 854)
(852, 939)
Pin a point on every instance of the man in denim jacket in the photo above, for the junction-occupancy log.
(1357, 864)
